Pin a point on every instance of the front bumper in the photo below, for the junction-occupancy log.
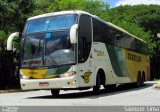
(54, 83)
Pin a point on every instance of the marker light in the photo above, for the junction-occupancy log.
(25, 77)
(68, 74)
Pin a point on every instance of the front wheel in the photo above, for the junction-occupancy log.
(96, 89)
(55, 92)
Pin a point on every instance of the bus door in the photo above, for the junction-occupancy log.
(84, 49)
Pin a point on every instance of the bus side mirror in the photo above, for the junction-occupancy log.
(10, 39)
(73, 34)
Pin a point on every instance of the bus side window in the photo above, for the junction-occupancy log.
(118, 39)
(96, 37)
(129, 42)
(98, 31)
(109, 35)
(141, 47)
(84, 38)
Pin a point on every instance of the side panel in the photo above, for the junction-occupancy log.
(117, 60)
(85, 73)
(111, 60)
(120, 65)
(135, 63)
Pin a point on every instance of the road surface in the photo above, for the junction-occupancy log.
(121, 96)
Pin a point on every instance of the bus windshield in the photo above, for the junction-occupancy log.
(40, 50)
(50, 23)
(46, 42)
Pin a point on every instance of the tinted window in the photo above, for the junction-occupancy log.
(129, 42)
(84, 37)
(119, 39)
(98, 29)
(110, 35)
(141, 47)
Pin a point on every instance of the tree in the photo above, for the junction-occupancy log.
(13, 15)
(97, 7)
(144, 22)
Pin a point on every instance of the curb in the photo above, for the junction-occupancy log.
(15, 90)
(11, 91)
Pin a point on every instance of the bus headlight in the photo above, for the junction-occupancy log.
(68, 74)
(22, 76)
(25, 77)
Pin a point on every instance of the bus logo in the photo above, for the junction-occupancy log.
(134, 57)
(86, 77)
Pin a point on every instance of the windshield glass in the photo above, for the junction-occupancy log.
(50, 23)
(32, 50)
(47, 49)
(58, 50)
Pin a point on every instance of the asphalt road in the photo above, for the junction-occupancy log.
(121, 96)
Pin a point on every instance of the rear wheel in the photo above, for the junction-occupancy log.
(96, 89)
(55, 92)
(142, 79)
(139, 80)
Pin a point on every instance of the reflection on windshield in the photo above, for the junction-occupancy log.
(50, 23)
(36, 47)
(56, 44)
(57, 41)
(32, 51)
(33, 47)
(61, 57)
(47, 49)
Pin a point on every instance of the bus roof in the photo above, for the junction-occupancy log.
(59, 13)
(81, 12)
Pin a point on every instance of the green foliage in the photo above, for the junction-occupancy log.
(2, 41)
(13, 15)
(97, 7)
(2, 36)
(142, 21)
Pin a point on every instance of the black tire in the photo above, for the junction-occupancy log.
(96, 89)
(142, 79)
(139, 81)
(55, 92)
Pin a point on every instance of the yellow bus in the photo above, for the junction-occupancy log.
(77, 50)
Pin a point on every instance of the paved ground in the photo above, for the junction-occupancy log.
(121, 96)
